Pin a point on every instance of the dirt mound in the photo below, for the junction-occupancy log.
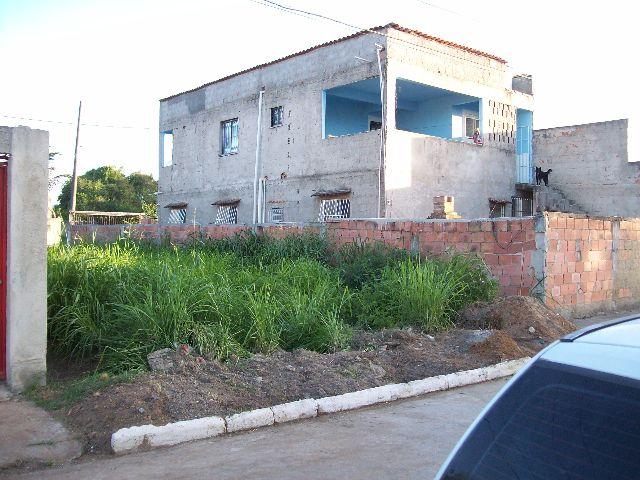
(498, 347)
(524, 319)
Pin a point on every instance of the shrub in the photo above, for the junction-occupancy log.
(424, 293)
(360, 264)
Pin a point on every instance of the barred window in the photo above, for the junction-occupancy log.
(276, 116)
(497, 208)
(334, 208)
(229, 136)
(227, 214)
(276, 215)
(178, 215)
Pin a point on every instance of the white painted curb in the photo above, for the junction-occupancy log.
(298, 410)
(261, 417)
(132, 438)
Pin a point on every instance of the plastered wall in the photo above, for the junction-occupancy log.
(297, 161)
(590, 166)
(26, 313)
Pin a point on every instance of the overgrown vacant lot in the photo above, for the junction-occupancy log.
(252, 322)
(116, 303)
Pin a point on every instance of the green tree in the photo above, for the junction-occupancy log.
(108, 189)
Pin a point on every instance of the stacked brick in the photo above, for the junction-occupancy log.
(443, 208)
(591, 263)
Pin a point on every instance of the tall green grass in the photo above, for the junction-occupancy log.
(116, 303)
(424, 293)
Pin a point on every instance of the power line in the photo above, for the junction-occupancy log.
(453, 12)
(72, 123)
(312, 15)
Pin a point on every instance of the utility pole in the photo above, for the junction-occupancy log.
(74, 177)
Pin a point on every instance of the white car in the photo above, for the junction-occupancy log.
(572, 413)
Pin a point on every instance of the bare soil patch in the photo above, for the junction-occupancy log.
(195, 387)
(524, 319)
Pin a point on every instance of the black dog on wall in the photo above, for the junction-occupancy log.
(542, 176)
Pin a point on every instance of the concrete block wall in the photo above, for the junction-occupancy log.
(591, 166)
(297, 160)
(424, 167)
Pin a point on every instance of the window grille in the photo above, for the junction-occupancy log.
(227, 214)
(276, 116)
(276, 215)
(497, 209)
(334, 208)
(521, 206)
(178, 215)
(229, 136)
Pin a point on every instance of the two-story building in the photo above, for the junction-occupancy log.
(371, 125)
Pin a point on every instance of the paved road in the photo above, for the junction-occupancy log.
(401, 440)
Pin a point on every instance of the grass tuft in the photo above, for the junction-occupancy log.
(117, 303)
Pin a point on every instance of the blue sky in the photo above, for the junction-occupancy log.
(120, 57)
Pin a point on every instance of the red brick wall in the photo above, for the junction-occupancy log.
(591, 264)
(507, 246)
(580, 265)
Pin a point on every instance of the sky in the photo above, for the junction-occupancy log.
(121, 56)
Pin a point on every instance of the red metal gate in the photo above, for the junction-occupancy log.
(3, 266)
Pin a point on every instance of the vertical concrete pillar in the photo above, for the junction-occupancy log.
(26, 255)
(539, 257)
(389, 108)
(485, 116)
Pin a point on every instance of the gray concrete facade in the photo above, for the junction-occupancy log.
(591, 166)
(26, 335)
(300, 160)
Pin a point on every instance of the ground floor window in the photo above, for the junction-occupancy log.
(177, 215)
(522, 205)
(498, 208)
(334, 208)
(276, 215)
(227, 214)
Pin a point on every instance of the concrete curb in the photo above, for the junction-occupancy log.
(129, 439)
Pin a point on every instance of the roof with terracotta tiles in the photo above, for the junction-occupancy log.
(394, 26)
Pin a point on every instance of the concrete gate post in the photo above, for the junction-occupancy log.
(26, 301)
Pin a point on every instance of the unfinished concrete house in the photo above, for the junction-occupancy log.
(375, 124)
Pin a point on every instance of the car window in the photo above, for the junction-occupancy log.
(556, 422)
